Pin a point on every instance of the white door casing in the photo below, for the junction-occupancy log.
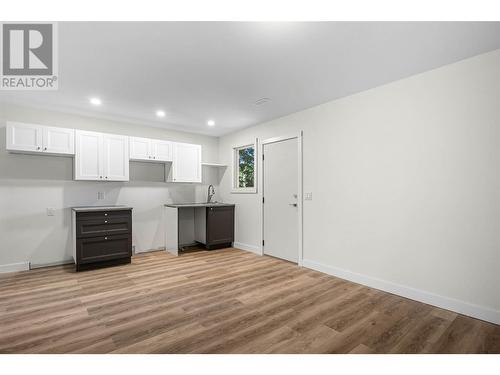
(282, 197)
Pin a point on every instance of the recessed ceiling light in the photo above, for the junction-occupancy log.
(95, 101)
(211, 123)
(160, 113)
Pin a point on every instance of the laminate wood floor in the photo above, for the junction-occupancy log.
(224, 301)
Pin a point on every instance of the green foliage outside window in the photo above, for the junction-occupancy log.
(246, 166)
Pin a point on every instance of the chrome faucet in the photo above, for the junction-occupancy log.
(211, 193)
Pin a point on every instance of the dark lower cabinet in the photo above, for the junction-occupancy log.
(220, 227)
(102, 238)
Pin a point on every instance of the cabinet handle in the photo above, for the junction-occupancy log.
(38, 148)
(106, 177)
(105, 238)
(105, 221)
(105, 214)
(45, 149)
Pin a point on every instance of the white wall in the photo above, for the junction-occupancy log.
(29, 184)
(406, 186)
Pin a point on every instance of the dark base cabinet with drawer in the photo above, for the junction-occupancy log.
(102, 236)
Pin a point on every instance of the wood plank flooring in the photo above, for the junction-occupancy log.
(224, 301)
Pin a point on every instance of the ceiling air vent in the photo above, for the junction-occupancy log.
(262, 101)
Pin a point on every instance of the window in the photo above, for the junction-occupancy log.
(244, 169)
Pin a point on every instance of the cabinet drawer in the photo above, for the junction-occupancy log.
(103, 227)
(91, 215)
(96, 249)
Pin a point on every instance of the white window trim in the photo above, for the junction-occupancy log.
(234, 188)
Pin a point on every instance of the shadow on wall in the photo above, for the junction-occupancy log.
(43, 167)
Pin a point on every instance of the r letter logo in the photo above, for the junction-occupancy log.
(29, 56)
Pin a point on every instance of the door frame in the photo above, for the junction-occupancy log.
(261, 160)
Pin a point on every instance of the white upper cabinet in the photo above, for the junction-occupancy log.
(105, 157)
(24, 137)
(33, 138)
(116, 157)
(186, 166)
(162, 150)
(88, 156)
(150, 149)
(102, 157)
(140, 148)
(58, 140)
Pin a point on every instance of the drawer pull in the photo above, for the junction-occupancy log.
(105, 214)
(105, 221)
(105, 238)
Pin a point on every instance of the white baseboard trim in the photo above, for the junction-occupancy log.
(461, 307)
(244, 246)
(52, 264)
(148, 250)
(14, 267)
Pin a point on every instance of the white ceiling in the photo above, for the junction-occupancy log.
(197, 71)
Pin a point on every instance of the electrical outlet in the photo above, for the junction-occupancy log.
(100, 195)
(308, 196)
(51, 211)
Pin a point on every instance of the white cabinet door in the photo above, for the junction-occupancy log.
(88, 156)
(116, 157)
(24, 137)
(140, 148)
(186, 166)
(59, 140)
(162, 150)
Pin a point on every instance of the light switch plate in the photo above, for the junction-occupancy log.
(308, 196)
(51, 211)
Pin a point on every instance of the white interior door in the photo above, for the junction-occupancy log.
(280, 192)
(116, 158)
